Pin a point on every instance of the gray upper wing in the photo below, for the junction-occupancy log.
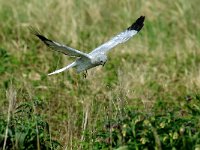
(61, 48)
(121, 37)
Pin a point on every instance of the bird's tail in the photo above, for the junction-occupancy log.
(63, 69)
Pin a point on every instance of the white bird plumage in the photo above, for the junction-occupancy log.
(96, 57)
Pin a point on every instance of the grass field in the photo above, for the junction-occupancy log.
(156, 73)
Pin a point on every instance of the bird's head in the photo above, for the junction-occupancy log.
(103, 60)
(100, 60)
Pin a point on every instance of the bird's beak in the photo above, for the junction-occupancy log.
(103, 64)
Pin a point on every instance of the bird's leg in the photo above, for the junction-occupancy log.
(104, 64)
(85, 74)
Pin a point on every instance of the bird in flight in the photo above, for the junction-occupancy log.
(96, 57)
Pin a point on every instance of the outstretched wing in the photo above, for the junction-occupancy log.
(121, 37)
(60, 47)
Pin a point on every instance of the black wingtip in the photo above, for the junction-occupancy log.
(37, 33)
(41, 37)
(138, 24)
(44, 39)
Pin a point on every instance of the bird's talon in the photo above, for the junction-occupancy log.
(85, 74)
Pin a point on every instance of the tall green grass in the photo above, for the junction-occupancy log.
(160, 64)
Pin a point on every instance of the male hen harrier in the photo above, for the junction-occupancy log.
(96, 57)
